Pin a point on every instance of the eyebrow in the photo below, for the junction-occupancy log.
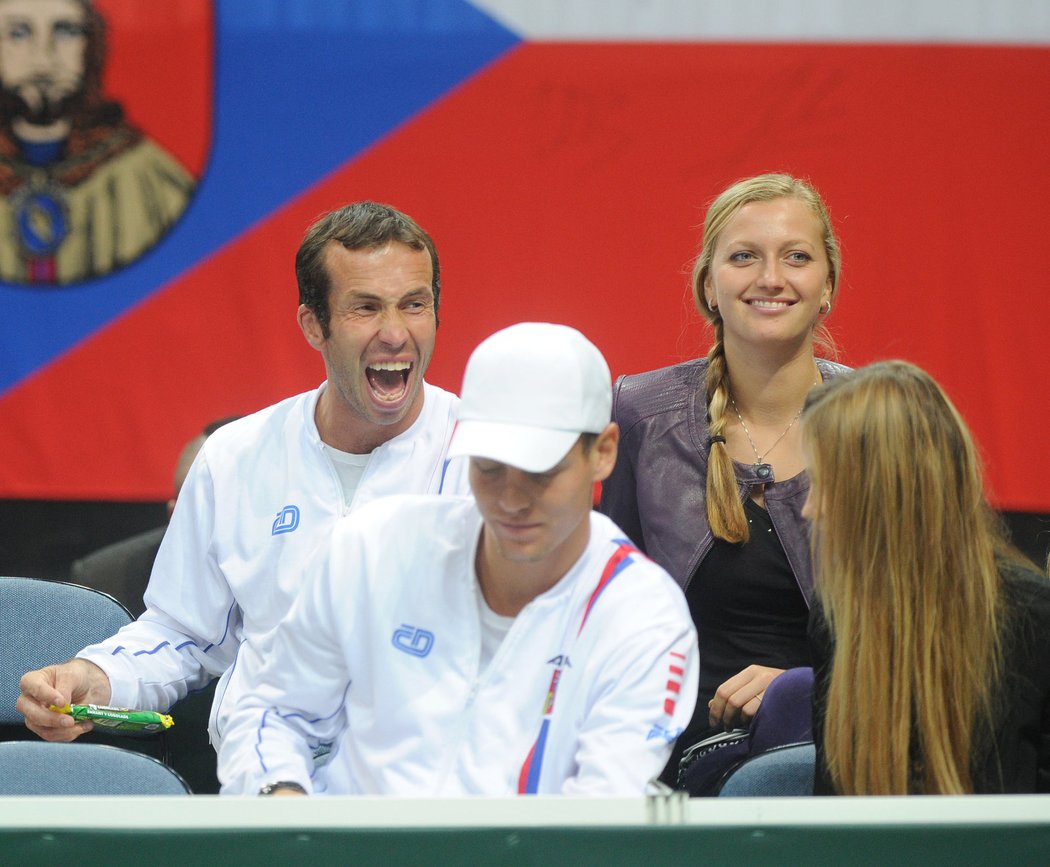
(792, 242)
(427, 290)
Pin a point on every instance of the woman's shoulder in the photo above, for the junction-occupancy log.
(1026, 588)
(640, 395)
(1026, 596)
(1026, 631)
(830, 369)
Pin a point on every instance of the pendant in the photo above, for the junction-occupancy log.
(41, 214)
(764, 472)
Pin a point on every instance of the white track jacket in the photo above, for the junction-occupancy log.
(259, 498)
(379, 658)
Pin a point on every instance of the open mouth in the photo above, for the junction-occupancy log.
(388, 379)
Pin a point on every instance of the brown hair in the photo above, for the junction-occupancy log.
(357, 226)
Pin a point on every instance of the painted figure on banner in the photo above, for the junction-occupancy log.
(83, 192)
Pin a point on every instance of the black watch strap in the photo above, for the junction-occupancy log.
(288, 785)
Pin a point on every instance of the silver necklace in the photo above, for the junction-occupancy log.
(763, 470)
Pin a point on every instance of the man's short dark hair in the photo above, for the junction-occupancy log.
(358, 226)
(213, 426)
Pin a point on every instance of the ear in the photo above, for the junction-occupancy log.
(709, 290)
(825, 299)
(603, 452)
(311, 328)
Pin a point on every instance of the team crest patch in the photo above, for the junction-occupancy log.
(105, 128)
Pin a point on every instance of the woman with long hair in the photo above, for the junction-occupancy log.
(931, 639)
(709, 481)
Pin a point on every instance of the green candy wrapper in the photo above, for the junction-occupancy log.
(121, 719)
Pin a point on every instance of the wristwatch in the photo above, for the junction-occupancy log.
(289, 785)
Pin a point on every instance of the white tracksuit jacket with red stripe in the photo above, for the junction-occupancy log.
(379, 658)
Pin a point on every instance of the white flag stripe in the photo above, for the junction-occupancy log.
(1021, 22)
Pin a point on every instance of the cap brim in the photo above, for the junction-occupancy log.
(532, 449)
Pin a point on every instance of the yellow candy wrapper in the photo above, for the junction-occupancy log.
(121, 719)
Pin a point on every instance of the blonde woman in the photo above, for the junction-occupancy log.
(709, 481)
(931, 641)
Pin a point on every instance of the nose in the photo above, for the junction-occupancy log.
(772, 276)
(393, 332)
(39, 53)
(43, 60)
(514, 492)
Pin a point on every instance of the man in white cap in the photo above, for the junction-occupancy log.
(513, 642)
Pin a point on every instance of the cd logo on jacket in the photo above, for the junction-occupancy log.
(412, 640)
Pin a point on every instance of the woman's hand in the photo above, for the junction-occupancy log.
(737, 700)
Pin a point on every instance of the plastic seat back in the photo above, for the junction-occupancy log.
(44, 622)
(42, 768)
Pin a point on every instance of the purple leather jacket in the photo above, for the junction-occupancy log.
(656, 491)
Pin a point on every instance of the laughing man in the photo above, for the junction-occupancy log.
(266, 489)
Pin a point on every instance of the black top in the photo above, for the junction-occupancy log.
(748, 609)
(1018, 761)
(747, 606)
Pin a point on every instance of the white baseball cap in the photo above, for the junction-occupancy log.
(529, 391)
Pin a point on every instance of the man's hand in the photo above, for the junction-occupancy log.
(283, 789)
(736, 701)
(75, 682)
